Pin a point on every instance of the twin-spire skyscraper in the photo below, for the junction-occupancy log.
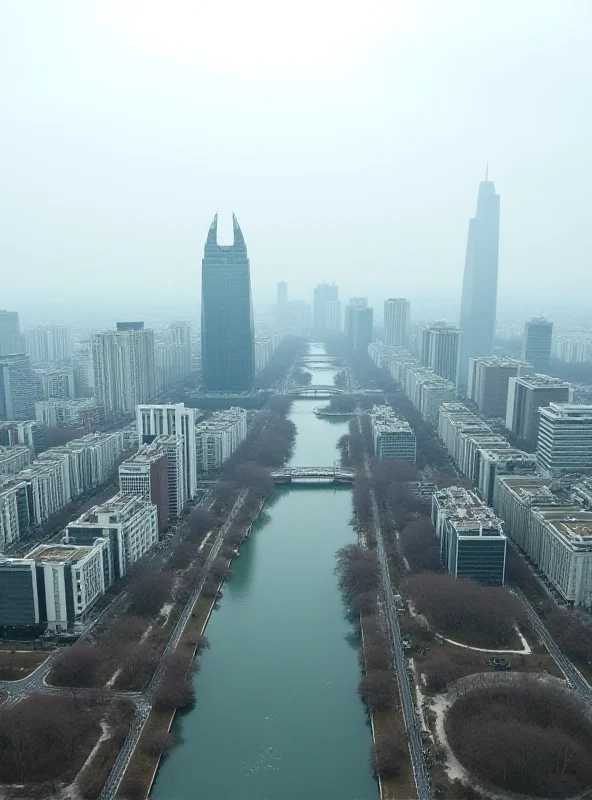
(227, 333)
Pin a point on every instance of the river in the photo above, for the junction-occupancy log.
(277, 714)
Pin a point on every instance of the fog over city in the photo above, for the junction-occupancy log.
(348, 138)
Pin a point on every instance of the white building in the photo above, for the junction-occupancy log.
(48, 344)
(526, 395)
(48, 488)
(265, 347)
(218, 437)
(14, 511)
(565, 438)
(440, 350)
(397, 318)
(174, 448)
(393, 437)
(13, 459)
(124, 369)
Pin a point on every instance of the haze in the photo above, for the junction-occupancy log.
(349, 139)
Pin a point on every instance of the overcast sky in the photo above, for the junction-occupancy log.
(348, 137)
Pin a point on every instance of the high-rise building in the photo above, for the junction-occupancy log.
(10, 333)
(218, 437)
(282, 293)
(393, 437)
(536, 343)
(565, 438)
(227, 334)
(488, 380)
(124, 370)
(324, 293)
(333, 315)
(130, 326)
(526, 395)
(48, 344)
(440, 349)
(14, 511)
(180, 333)
(17, 387)
(145, 473)
(358, 323)
(397, 313)
(479, 294)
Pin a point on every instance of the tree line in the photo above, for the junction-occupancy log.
(291, 348)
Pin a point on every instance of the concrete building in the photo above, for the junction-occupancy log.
(180, 336)
(472, 541)
(265, 347)
(393, 437)
(17, 388)
(48, 488)
(333, 316)
(49, 344)
(145, 473)
(397, 319)
(324, 293)
(13, 459)
(124, 369)
(25, 432)
(10, 333)
(572, 349)
(56, 382)
(174, 447)
(19, 601)
(494, 463)
(536, 343)
(488, 380)
(176, 420)
(218, 437)
(227, 332)
(440, 350)
(82, 413)
(358, 323)
(14, 511)
(526, 395)
(127, 521)
(479, 292)
(565, 438)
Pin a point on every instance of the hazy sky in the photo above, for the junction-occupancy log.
(348, 137)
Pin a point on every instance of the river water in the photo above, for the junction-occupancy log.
(277, 714)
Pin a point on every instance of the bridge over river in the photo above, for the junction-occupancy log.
(313, 475)
(315, 391)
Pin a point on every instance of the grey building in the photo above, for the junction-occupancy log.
(124, 368)
(10, 333)
(479, 293)
(397, 313)
(488, 381)
(227, 335)
(526, 395)
(17, 388)
(324, 293)
(440, 350)
(358, 323)
(19, 600)
(565, 438)
(536, 343)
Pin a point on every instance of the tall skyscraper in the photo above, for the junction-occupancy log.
(358, 323)
(282, 293)
(124, 370)
(48, 344)
(440, 348)
(333, 315)
(536, 344)
(17, 388)
(10, 333)
(227, 335)
(479, 294)
(324, 293)
(397, 312)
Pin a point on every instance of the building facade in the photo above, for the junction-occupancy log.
(218, 437)
(145, 473)
(49, 344)
(124, 368)
(536, 343)
(397, 319)
(526, 395)
(565, 438)
(488, 381)
(393, 437)
(10, 333)
(13, 459)
(17, 388)
(440, 350)
(324, 293)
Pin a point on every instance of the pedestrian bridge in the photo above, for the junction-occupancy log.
(318, 358)
(315, 391)
(313, 475)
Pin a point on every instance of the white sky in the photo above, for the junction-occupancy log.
(348, 137)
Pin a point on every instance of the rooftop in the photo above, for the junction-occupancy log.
(540, 381)
(59, 552)
(566, 410)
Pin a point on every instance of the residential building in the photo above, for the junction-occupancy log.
(393, 437)
(124, 368)
(145, 473)
(358, 323)
(174, 447)
(397, 318)
(48, 344)
(472, 541)
(13, 459)
(17, 388)
(536, 343)
(10, 333)
(82, 413)
(180, 334)
(565, 438)
(487, 384)
(14, 511)
(218, 437)
(440, 349)
(127, 521)
(526, 395)
(324, 293)
(572, 349)
(130, 326)
(479, 293)
(21, 432)
(56, 382)
(48, 488)
(265, 347)
(282, 294)
(333, 316)
(227, 334)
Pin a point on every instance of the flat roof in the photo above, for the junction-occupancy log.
(59, 552)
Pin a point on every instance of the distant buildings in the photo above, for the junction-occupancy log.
(333, 316)
(14, 511)
(218, 437)
(124, 369)
(13, 459)
(565, 438)
(10, 333)
(487, 384)
(472, 541)
(397, 318)
(82, 413)
(526, 395)
(479, 293)
(440, 350)
(393, 437)
(536, 343)
(17, 388)
(358, 323)
(324, 293)
(227, 337)
(49, 344)
(25, 432)
(265, 347)
(572, 349)
(282, 294)
(60, 383)
(145, 473)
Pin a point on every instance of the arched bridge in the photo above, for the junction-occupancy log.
(315, 391)
(313, 475)
(317, 358)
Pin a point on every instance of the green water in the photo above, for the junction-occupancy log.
(277, 714)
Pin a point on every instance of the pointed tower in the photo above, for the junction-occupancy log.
(227, 338)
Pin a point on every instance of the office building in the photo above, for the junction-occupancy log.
(227, 334)
(83, 413)
(333, 316)
(19, 600)
(282, 294)
(10, 333)
(487, 384)
(397, 319)
(145, 473)
(129, 524)
(49, 344)
(440, 350)
(526, 395)
(498, 462)
(17, 388)
(218, 437)
(175, 420)
(393, 437)
(565, 438)
(14, 511)
(324, 293)
(479, 293)
(124, 369)
(471, 537)
(536, 343)
(358, 323)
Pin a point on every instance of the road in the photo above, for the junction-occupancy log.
(573, 676)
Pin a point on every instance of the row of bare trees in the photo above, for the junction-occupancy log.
(286, 353)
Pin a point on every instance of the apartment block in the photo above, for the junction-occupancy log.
(14, 511)
(82, 413)
(393, 437)
(488, 382)
(565, 438)
(526, 395)
(13, 459)
(145, 473)
(218, 437)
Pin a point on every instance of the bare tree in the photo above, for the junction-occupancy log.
(150, 592)
(377, 689)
